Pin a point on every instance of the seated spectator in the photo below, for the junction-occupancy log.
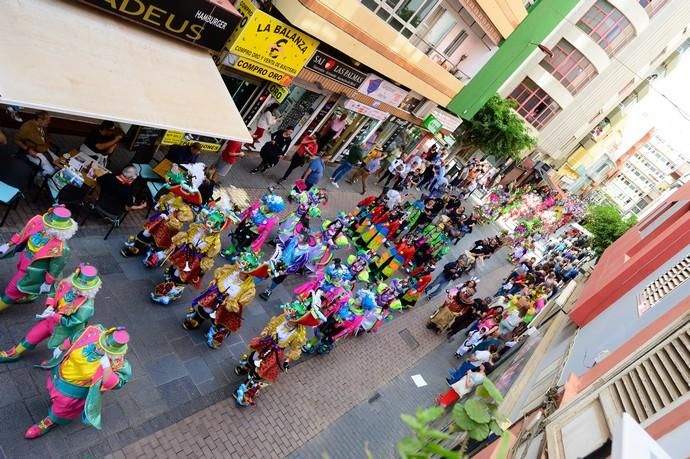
(34, 145)
(476, 359)
(117, 194)
(188, 154)
(103, 140)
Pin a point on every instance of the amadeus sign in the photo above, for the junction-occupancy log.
(335, 70)
(205, 23)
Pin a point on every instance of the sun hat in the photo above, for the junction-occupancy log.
(114, 340)
(85, 277)
(59, 218)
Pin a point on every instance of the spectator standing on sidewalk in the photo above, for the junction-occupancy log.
(267, 120)
(451, 271)
(272, 151)
(369, 167)
(335, 127)
(228, 158)
(353, 158)
(312, 176)
(307, 148)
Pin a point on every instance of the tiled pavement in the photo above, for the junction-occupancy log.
(176, 375)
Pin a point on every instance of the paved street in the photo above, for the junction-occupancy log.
(178, 401)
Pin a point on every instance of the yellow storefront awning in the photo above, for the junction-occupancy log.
(68, 58)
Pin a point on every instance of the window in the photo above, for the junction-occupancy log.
(534, 104)
(441, 28)
(455, 44)
(607, 26)
(403, 15)
(652, 6)
(569, 66)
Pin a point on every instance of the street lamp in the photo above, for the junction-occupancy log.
(542, 48)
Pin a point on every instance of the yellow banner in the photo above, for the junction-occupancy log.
(262, 71)
(246, 8)
(172, 138)
(273, 43)
(178, 138)
(279, 93)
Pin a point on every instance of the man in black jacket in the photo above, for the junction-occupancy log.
(272, 151)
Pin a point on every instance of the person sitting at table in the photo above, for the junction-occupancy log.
(103, 140)
(33, 143)
(117, 195)
(188, 154)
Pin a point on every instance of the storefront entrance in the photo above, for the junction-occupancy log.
(244, 91)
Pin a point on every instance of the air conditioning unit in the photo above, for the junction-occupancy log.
(424, 109)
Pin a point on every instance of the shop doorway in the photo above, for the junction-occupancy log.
(244, 91)
(298, 108)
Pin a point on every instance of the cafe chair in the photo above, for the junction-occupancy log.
(146, 172)
(154, 190)
(9, 196)
(114, 220)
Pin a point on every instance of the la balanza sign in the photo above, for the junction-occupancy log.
(204, 23)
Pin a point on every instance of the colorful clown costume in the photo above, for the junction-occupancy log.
(231, 290)
(256, 223)
(279, 343)
(66, 313)
(81, 370)
(171, 213)
(308, 206)
(43, 253)
(191, 255)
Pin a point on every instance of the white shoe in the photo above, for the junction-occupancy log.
(335, 184)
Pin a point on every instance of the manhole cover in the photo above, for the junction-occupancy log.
(408, 338)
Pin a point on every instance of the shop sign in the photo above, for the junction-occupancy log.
(279, 93)
(272, 43)
(365, 110)
(254, 68)
(180, 138)
(432, 124)
(203, 23)
(411, 102)
(335, 70)
(377, 88)
(448, 121)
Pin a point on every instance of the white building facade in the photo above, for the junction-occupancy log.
(601, 51)
(644, 176)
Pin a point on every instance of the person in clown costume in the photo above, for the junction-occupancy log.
(270, 353)
(191, 255)
(231, 290)
(361, 314)
(298, 253)
(255, 225)
(43, 252)
(82, 369)
(67, 311)
(172, 211)
(308, 206)
(358, 265)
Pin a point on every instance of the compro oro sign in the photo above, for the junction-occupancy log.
(272, 43)
(377, 88)
(205, 23)
(257, 69)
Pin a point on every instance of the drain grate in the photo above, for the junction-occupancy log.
(409, 339)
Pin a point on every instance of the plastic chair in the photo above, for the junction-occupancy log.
(146, 172)
(154, 188)
(9, 196)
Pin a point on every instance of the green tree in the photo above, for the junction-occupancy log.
(497, 130)
(606, 224)
(474, 419)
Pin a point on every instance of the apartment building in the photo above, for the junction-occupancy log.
(595, 55)
(644, 172)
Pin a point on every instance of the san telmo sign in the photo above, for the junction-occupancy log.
(200, 22)
(270, 42)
